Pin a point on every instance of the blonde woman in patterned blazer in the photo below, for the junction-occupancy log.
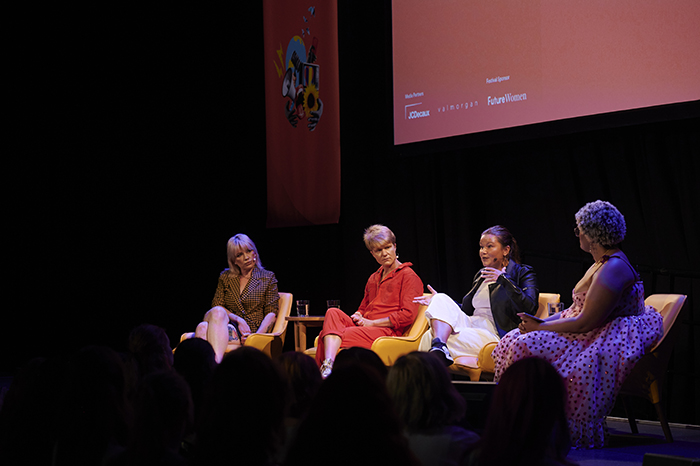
(246, 299)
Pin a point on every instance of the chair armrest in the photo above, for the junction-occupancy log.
(486, 362)
(390, 349)
(257, 339)
(263, 342)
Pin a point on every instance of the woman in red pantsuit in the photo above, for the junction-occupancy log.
(386, 309)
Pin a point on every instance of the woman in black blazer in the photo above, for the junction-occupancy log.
(500, 290)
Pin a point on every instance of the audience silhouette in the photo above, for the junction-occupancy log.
(29, 410)
(304, 380)
(429, 406)
(358, 354)
(163, 412)
(194, 361)
(148, 351)
(255, 411)
(351, 421)
(94, 417)
(243, 417)
(527, 423)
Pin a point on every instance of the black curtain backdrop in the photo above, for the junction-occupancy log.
(138, 148)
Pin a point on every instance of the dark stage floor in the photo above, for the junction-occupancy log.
(627, 449)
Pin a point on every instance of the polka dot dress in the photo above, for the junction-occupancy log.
(593, 364)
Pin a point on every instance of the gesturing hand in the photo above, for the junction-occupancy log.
(425, 300)
(490, 275)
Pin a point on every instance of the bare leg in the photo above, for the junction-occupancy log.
(217, 331)
(201, 331)
(331, 345)
(440, 329)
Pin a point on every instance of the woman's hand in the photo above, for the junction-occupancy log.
(243, 326)
(527, 324)
(490, 275)
(425, 300)
(360, 321)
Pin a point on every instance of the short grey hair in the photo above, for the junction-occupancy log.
(602, 222)
(376, 235)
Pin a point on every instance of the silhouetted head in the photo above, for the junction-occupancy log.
(422, 392)
(244, 410)
(528, 409)
(304, 379)
(357, 354)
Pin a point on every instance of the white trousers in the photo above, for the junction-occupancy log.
(469, 333)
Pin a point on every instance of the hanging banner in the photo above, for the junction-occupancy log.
(301, 104)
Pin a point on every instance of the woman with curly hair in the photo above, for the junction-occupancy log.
(595, 343)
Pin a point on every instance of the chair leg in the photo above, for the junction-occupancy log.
(630, 415)
(475, 375)
(664, 422)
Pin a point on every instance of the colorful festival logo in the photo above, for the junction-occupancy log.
(300, 78)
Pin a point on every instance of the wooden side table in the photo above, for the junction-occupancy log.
(300, 324)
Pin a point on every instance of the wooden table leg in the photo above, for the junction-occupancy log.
(300, 336)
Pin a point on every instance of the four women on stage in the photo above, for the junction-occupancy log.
(593, 344)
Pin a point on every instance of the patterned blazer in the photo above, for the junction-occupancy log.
(260, 296)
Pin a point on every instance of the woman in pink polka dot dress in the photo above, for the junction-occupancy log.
(595, 343)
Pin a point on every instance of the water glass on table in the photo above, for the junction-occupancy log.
(333, 303)
(302, 307)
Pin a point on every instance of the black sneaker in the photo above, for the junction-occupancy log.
(439, 348)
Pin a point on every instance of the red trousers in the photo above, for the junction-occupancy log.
(339, 323)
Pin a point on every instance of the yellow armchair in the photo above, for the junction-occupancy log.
(473, 367)
(648, 375)
(392, 348)
(273, 342)
(269, 343)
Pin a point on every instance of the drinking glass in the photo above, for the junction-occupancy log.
(333, 303)
(302, 307)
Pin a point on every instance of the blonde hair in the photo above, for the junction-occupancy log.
(376, 235)
(235, 245)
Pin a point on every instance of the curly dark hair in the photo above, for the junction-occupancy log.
(602, 222)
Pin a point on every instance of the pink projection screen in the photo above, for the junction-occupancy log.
(467, 66)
